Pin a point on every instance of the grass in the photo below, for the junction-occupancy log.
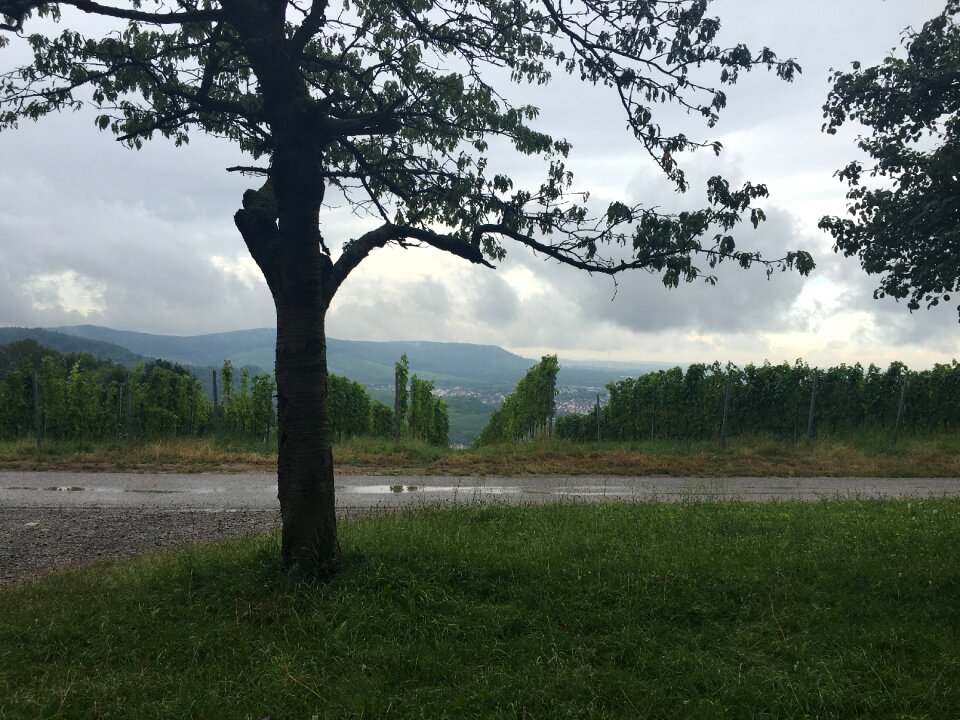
(863, 455)
(839, 609)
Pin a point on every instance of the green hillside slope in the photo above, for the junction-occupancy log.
(447, 364)
(64, 343)
(210, 350)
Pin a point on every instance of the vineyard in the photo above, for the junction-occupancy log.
(416, 412)
(528, 411)
(74, 396)
(77, 397)
(791, 402)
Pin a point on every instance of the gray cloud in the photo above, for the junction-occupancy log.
(153, 271)
(492, 300)
(149, 234)
(376, 310)
(742, 300)
(891, 322)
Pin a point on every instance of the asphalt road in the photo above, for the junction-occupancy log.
(208, 491)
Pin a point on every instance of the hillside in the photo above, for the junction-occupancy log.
(447, 364)
(202, 350)
(66, 344)
(486, 368)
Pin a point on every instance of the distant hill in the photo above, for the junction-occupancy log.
(204, 350)
(483, 367)
(64, 343)
(597, 373)
(447, 364)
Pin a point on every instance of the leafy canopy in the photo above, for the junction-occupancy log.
(905, 226)
(397, 100)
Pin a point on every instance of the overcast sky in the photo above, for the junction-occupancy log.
(93, 233)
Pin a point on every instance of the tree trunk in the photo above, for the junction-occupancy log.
(289, 254)
(305, 480)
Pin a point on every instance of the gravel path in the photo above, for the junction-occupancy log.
(36, 541)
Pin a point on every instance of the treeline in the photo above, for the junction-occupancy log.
(75, 396)
(528, 411)
(416, 412)
(786, 401)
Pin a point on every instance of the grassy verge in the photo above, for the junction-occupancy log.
(161, 456)
(750, 456)
(864, 455)
(837, 609)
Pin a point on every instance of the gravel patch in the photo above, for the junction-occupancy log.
(36, 541)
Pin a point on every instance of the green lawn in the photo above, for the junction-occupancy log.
(840, 609)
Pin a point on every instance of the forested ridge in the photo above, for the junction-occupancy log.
(369, 362)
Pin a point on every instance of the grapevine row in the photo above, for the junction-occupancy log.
(786, 401)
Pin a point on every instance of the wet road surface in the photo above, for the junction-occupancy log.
(53, 520)
(208, 491)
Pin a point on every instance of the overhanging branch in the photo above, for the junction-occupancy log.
(562, 254)
(355, 251)
(18, 8)
(249, 170)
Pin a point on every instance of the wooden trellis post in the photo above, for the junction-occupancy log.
(903, 398)
(726, 410)
(813, 405)
(37, 412)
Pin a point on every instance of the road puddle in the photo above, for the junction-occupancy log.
(77, 488)
(410, 489)
(594, 491)
(117, 490)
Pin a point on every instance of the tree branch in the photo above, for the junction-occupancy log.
(311, 24)
(257, 223)
(17, 9)
(561, 254)
(376, 124)
(249, 170)
(355, 251)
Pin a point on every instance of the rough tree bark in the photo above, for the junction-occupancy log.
(305, 463)
(297, 278)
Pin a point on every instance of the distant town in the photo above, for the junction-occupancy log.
(569, 399)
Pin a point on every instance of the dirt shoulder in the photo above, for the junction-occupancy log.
(938, 457)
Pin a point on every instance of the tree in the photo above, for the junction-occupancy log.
(401, 370)
(381, 419)
(390, 108)
(262, 399)
(528, 410)
(907, 228)
(428, 417)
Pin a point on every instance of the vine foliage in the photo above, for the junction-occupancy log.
(528, 411)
